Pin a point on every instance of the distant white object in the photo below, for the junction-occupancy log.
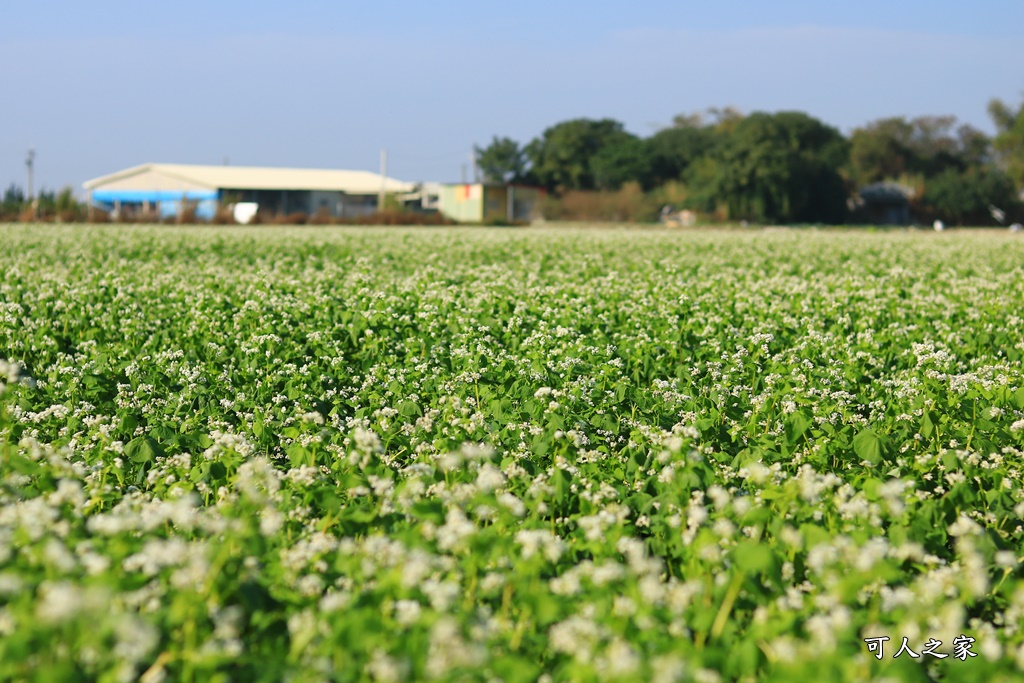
(998, 214)
(939, 226)
(245, 212)
(1016, 227)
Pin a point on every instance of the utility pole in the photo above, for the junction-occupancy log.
(29, 163)
(383, 179)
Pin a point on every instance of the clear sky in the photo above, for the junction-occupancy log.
(99, 86)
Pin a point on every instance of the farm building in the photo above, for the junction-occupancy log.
(167, 188)
(884, 203)
(481, 203)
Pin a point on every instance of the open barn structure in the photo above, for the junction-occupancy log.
(170, 189)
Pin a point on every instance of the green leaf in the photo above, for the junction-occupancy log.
(409, 409)
(796, 425)
(218, 471)
(298, 455)
(143, 449)
(129, 423)
(927, 424)
(753, 556)
(869, 446)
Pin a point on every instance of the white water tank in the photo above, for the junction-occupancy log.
(245, 212)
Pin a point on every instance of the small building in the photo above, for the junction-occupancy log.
(168, 188)
(883, 204)
(484, 203)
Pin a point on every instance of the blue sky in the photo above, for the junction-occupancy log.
(100, 86)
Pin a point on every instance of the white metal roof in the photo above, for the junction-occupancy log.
(148, 176)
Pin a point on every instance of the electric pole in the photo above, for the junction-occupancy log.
(29, 162)
(383, 179)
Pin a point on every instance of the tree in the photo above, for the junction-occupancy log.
(14, 196)
(1009, 141)
(775, 167)
(562, 157)
(67, 207)
(881, 150)
(502, 161)
(964, 197)
(621, 162)
(926, 146)
(673, 150)
(974, 147)
(13, 202)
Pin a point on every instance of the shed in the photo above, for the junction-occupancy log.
(884, 203)
(166, 188)
(482, 203)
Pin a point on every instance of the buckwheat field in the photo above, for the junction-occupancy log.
(510, 455)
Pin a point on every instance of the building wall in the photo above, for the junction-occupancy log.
(356, 205)
(525, 203)
(495, 203)
(463, 202)
(167, 203)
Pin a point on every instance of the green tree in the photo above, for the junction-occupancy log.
(502, 161)
(624, 161)
(673, 150)
(562, 156)
(67, 206)
(46, 202)
(775, 167)
(964, 197)
(881, 150)
(1009, 141)
(927, 146)
(14, 196)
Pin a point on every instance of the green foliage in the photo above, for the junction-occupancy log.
(502, 161)
(775, 168)
(964, 198)
(50, 206)
(1009, 141)
(562, 158)
(351, 454)
(889, 148)
(674, 150)
(13, 202)
(624, 161)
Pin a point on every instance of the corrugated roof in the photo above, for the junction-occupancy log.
(886, 191)
(257, 178)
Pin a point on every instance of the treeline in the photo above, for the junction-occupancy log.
(785, 167)
(48, 205)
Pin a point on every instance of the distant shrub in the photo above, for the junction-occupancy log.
(628, 204)
(223, 216)
(294, 218)
(321, 217)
